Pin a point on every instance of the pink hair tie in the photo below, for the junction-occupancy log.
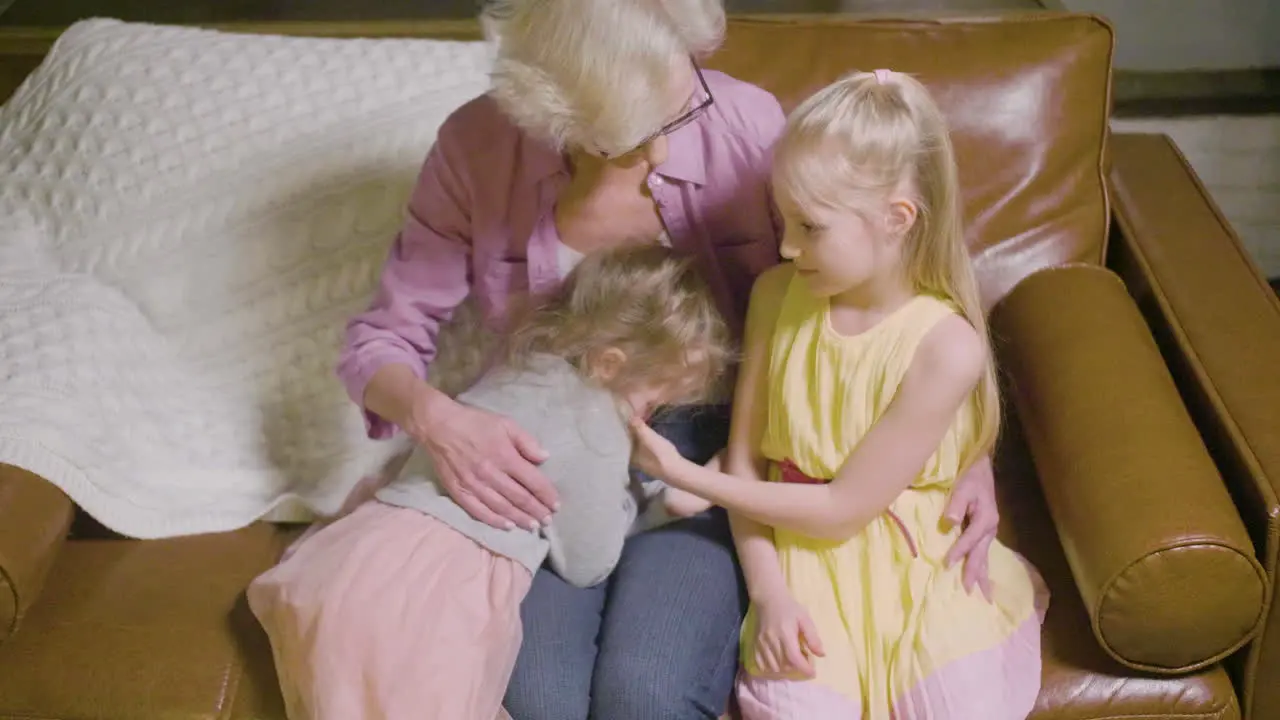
(882, 75)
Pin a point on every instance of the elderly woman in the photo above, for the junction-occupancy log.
(601, 126)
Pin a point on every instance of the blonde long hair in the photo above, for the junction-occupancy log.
(856, 142)
(643, 299)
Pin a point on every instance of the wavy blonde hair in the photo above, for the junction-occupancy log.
(642, 299)
(594, 73)
(860, 140)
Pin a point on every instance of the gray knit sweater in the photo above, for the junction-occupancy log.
(585, 434)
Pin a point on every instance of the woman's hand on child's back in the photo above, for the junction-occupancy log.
(786, 639)
(487, 464)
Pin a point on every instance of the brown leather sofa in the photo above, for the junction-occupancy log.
(1138, 470)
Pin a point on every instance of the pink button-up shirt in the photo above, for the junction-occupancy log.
(481, 222)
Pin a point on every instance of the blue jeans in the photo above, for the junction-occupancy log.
(658, 640)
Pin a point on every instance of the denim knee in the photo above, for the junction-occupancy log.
(532, 702)
(638, 689)
(552, 676)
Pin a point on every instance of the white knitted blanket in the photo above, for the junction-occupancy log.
(187, 218)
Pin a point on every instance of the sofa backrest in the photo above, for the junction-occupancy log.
(1027, 96)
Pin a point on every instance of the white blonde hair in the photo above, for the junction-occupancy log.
(857, 142)
(595, 74)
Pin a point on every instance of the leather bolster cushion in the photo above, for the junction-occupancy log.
(1158, 551)
(34, 519)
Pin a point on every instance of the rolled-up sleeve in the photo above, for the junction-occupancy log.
(426, 276)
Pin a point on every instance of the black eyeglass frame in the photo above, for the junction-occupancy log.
(689, 116)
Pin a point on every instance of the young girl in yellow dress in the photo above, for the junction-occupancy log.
(866, 389)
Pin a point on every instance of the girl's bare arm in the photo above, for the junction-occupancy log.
(743, 459)
(946, 368)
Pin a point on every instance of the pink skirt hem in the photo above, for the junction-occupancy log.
(389, 614)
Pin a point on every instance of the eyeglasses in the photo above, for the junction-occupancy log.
(689, 116)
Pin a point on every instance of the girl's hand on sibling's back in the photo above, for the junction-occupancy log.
(652, 453)
(786, 639)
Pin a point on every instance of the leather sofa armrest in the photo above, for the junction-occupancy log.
(34, 519)
(1159, 554)
(1218, 323)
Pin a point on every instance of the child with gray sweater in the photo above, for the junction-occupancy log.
(629, 330)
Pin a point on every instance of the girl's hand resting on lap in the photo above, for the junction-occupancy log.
(786, 639)
(486, 463)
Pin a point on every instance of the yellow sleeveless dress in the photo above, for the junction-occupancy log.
(902, 637)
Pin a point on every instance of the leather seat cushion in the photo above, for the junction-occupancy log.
(159, 628)
(146, 629)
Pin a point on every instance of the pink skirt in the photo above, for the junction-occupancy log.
(389, 614)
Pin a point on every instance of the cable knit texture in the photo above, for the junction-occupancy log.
(187, 218)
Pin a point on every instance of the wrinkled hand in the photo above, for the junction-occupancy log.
(653, 453)
(488, 466)
(786, 639)
(973, 504)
